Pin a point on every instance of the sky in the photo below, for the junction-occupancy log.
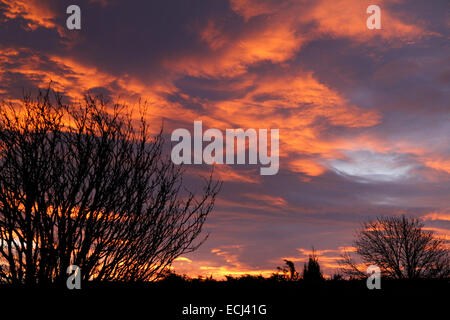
(363, 115)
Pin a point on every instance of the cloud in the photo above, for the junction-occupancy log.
(341, 18)
(438, 164)
(230, 55)
(301, 108)
(433, 216)
(34, 13)
(372, 166)
(183, 259)
(307, 166)
(347, 18)
(228, 173)
(227, 264)
(268, 199)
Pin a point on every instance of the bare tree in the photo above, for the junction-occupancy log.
(401, 248)
(87, 185)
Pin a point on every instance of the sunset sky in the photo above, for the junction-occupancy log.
(363, 114)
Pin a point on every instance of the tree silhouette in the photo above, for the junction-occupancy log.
(401, 248)
(311, 270)
(86, 185)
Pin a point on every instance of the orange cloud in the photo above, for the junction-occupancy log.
(340, 18)
(228, 264)
(292, 101)
(183, 259)
(36, 13)
(74, 79)
(250, 9)
(227, 173)
(442, 216)
(257, 205)
(293, 104)
(440, 232)
(347, 18)
(231, 55)
(307, 166)
(438, 164)
(268, 199)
